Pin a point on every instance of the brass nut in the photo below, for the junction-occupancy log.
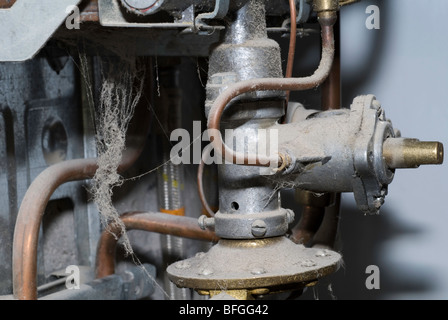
(325, 5)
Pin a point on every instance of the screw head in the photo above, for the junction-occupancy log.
(258, 228)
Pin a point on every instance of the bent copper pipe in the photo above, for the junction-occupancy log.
(32, 208)
(313, 81)
(180, 226)
(309, 223)
(319, 225)
(331, 100)
(29, 218)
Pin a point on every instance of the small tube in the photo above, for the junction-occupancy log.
(180, 226)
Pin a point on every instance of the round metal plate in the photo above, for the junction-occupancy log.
(247, 264)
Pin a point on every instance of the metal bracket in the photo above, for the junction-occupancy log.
(220, 11)
(110, 15)
(28, 25)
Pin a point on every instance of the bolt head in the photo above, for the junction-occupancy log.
(258, 228)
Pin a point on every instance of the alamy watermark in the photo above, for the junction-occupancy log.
(373, 20)
(73, 279)
(373, 280)
(73, 20)
(254, 143)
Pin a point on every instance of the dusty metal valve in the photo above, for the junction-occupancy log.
(350, 150)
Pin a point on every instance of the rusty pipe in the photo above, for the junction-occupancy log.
(180, 226)
(326, 21)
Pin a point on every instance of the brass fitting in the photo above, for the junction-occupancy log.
(326, 11)
(347, 2)
(325, 5)
(411, 153)
(328, 7)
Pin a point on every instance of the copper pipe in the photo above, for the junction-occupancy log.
(318, 225)
(331, 88)
(89, 11)
(180, 226)
(292, 43)
(209, 211)
(331, 100)
(325, 237)
(236, 89)
(29, 219)
(6, 4)
(308, 225)
(32, 208)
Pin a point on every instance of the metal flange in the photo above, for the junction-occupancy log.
(251, 264)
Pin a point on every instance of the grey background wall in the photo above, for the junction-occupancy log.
(405, 65)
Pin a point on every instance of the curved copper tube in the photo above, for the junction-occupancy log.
(325, 236)
(319, 225)
(309, 223)
(32, 208)
(180, 226)
(201, 193)
(313, 81)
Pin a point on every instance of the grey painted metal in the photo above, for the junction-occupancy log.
(244, 195)
(247, 51)
(258, 225)
(28, 25)
(133, 284)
